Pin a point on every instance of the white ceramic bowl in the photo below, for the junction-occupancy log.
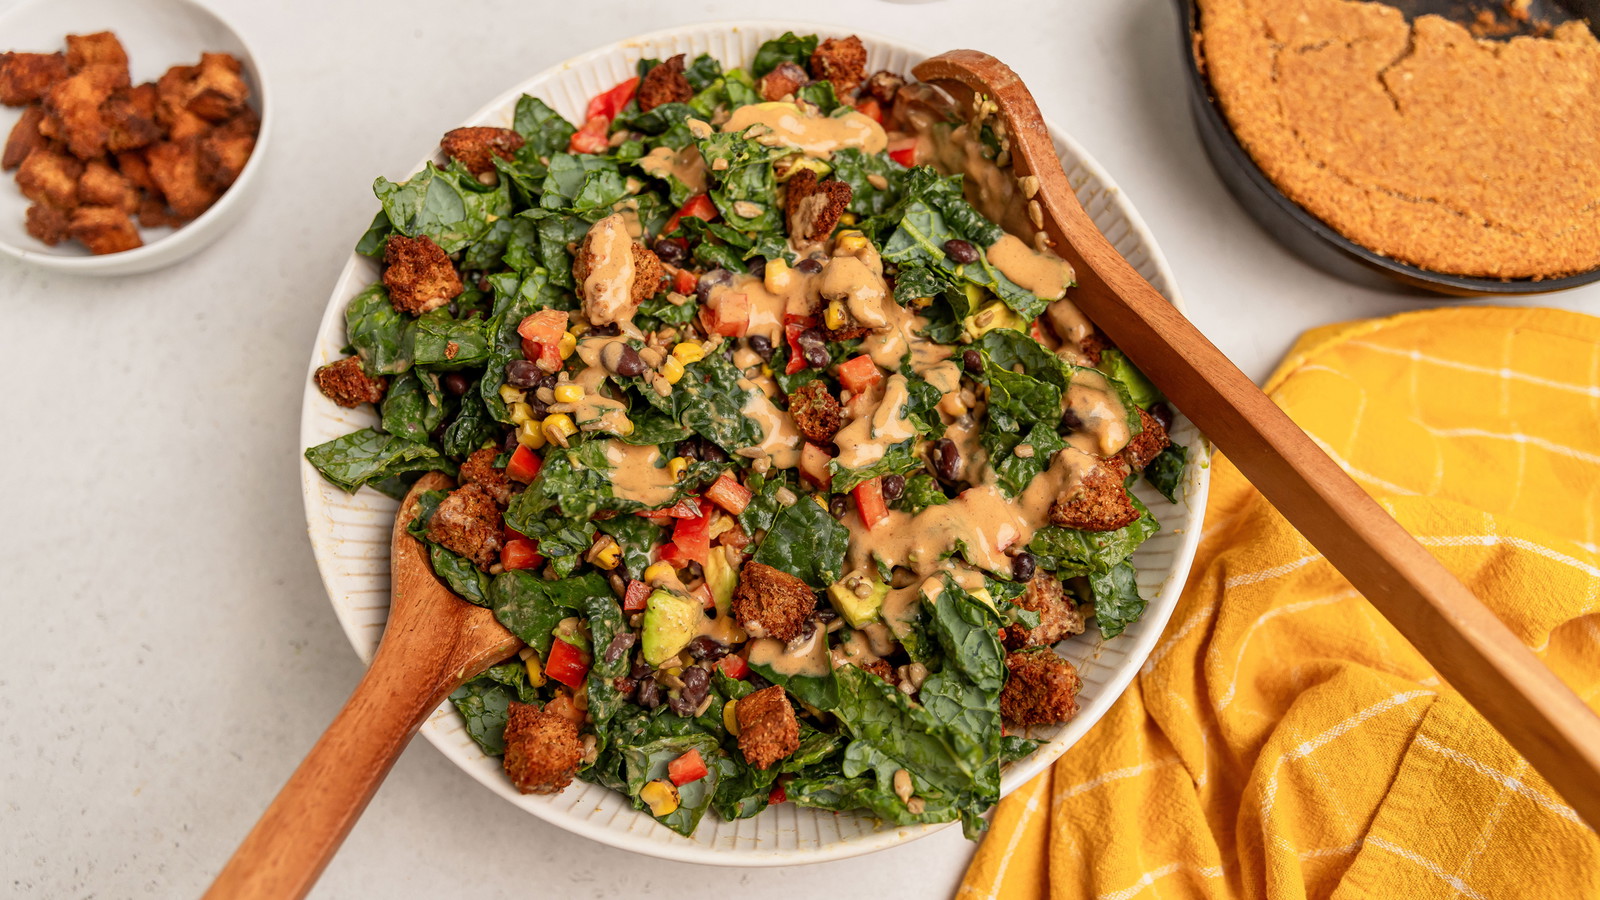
(157, 34)
(350, 534)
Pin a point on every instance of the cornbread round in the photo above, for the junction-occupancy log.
(1414, 139)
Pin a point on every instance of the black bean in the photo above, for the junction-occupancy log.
(961, 251)
(807, 628)
(757, 682)
(893, 487)
(639, 670)
(707, 647)
(947, 460)
(538, 406)
(1070, 422)
(809, 266)
(618, 646)
(696, 685)
(972, 361)
(711, 452)
(611, 330)
(672, 251)
(702, 289)
(627, 364)
(761, 344)
(826, 612)
(837, 505)
(522, 374)
(455, 383)
(548, 380)
(689, 449)
(813, 348)
(1023, 566)
(1162, 413)
(757, 266)
(649, 694)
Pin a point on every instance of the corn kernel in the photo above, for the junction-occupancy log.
(672, 370)
(730, 720)
(676, 466)
(511, 395)
(530, 660)
(847, 218)
(569, 393)
(520, 412)
(609, 556)
(776, 276)
(833, 316)
(531, 435)
(822, 503)
(657, 572)
(921, 302)
(688, 352)
(559, 427)
(566, 344)
(851, 241)
(661, 797)
(624, 427)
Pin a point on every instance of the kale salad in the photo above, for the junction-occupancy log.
(777, 438)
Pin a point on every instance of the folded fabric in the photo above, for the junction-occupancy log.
(1283, 740)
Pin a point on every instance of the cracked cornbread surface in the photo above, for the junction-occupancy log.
(1414, 139)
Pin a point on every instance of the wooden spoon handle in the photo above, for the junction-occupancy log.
(295, 838)
(1532, 708)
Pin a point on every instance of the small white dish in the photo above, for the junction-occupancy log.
(157, 34)
(350, 533)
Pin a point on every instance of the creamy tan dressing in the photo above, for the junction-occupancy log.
(981, 518)
(889, 346)
(819, 136)
(865, 440)
(1044, 275)
(808, 656)
(686, 165)
(639, 473)
(607, 289)
(723, 629)
(853, 281)
(629, 211)
(1068, 322)
(797, 294)
(780, 439)
(1091, 398)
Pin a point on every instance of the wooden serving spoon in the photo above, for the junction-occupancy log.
(1535, 711)
(433, 643)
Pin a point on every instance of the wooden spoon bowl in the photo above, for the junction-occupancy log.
(1533, 709)
(433, 643)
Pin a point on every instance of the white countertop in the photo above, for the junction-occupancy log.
(169, 653)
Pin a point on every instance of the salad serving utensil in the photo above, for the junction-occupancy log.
(1533, 709)
(432, 644)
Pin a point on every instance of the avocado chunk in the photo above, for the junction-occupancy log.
(858, 596)
(670, 623)
(721, 578)
(990, 316)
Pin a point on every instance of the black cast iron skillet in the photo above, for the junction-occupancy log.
(1308, 236)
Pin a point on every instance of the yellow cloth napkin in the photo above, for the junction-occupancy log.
(1282, 740)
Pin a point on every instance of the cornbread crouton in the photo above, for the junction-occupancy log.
(543, 751)
(772, 603)
(418, 274)
(665, 83)
(477, 147)
(347, 384)
(768, 729)
(1041, 688)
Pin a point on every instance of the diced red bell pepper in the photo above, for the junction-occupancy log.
(1036, 331)
(684, 281)
(871, 108)
(731, 315)
(814, 466)
(673, 555)
(591, 137)
(904, 152)
(729, 494)
(778, 795)
(792, 328)
(524, 465)
(735, 537)
(635, 597)
(703, 594)
(566, 664)
(693, 536)
(869, 502)
(687, 508)
(697, 207)
(686, 768)
(520, 553)
(607, 104)
(734, 666)
(860, 374)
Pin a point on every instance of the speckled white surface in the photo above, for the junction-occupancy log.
(168, 654)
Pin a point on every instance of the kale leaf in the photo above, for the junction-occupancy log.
(414, 406)
(530, 607)
(1165, 472)
(448, 205)
(788, 48)
(381, 335)
(370, 455)
(1067, 551)
(1117, 603)
(806, 542)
